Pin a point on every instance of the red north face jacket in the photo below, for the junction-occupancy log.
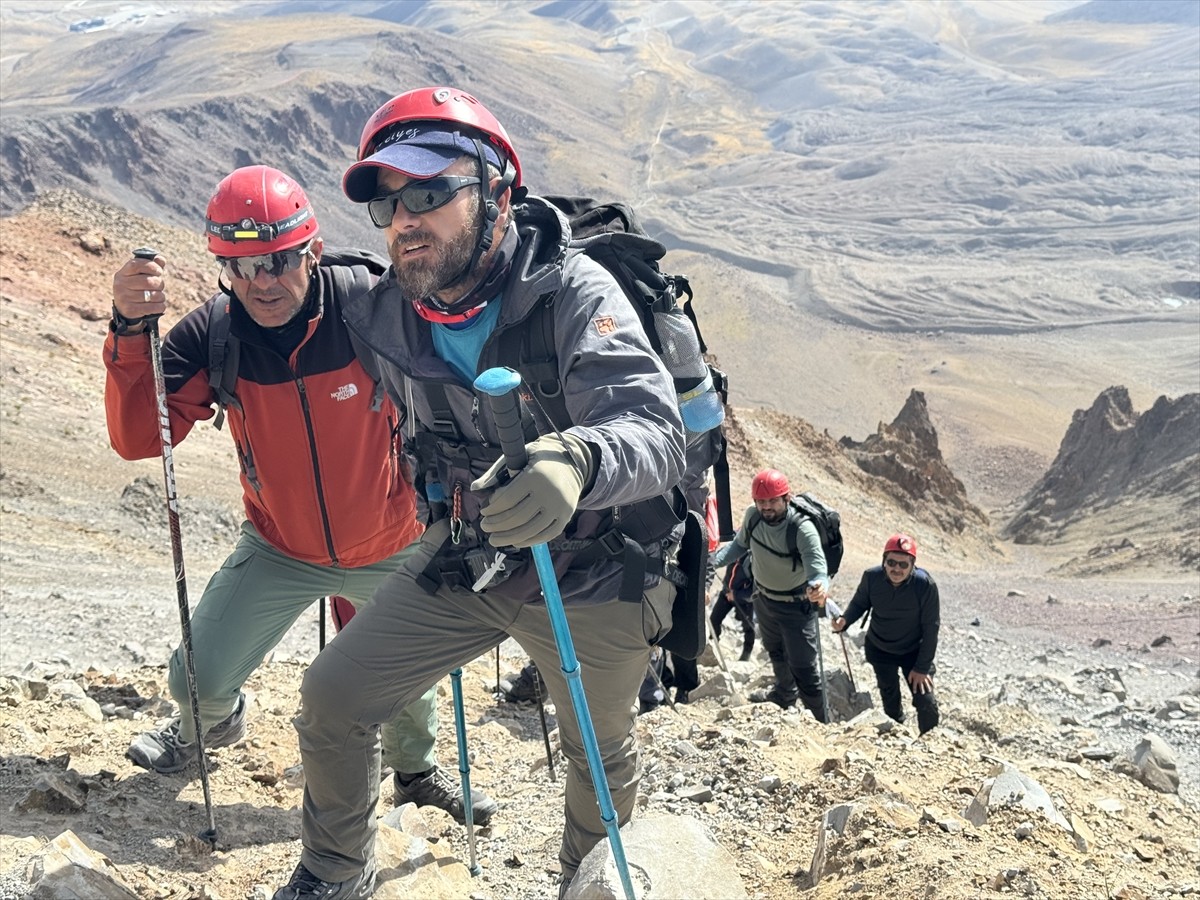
(330, 485)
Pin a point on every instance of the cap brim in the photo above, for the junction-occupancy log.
(359, 182)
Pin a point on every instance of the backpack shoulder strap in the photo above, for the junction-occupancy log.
(720, 466)
(531, 349)
(793, 533)
(224, 354)
(755, 518)
(351, 277)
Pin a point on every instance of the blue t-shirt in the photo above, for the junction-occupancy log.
(461, 343)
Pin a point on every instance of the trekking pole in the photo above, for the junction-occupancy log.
(835, 612)
(541, 701)
(321, 624)
(185, 619)
(821, 666)
(849, 671)
(497, 670)
(662, 687)
(464, 766)
(541, 705)
(501, 384)
(716, 642)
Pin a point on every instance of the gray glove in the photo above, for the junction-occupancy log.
(537, 504)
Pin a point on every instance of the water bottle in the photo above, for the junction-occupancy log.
(699, 404)
(701, 407)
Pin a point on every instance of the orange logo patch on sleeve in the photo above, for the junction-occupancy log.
(605, 325)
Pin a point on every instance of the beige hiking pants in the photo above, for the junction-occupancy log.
(404, 642)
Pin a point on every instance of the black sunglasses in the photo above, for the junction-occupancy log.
(418, 197)
(274, 264)
(893, 563)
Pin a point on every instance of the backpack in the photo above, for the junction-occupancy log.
(828, 523)
(611, 234)
(739, 577)
(353, 271)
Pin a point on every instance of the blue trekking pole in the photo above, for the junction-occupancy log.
(464, 765)
(500, 384)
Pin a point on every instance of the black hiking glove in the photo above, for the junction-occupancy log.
(539, 501)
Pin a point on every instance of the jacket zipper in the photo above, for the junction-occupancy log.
(312, 449)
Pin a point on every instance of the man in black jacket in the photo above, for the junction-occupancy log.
(903, 633)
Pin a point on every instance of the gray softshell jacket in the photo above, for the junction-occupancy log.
(618, 395)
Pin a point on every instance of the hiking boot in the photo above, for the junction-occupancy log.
(304, 885)
(526, 687)
(682, 696)
(166, 753)
(763, 695)
(437, 788)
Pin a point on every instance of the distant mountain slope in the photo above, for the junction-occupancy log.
(1128, 478)
(1133, 12)
(901, 166)
(868, 197)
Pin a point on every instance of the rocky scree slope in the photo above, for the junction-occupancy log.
(907, 817)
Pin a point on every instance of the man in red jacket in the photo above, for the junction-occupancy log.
(329, 505)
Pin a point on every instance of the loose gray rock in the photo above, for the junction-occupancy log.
(1157, 768)
(68, 868)
(717, 687)
(845, 702)
(834, 820)
(55, 792)
(1009, 787)
(668, 857)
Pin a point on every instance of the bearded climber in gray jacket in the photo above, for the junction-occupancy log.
(476, 264)
(788, 592)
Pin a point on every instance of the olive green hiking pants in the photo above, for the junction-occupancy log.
(247, 608)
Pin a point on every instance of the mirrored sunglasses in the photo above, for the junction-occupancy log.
(274, 264)
(418, 197)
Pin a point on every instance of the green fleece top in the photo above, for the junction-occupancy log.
(767, 544)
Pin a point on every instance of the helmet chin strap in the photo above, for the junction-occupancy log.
(489, 213)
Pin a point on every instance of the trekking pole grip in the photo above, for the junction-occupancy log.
(500, 384)
(148, 253)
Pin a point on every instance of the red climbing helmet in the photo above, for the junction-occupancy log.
(421, 132)
(257, 210)
(769, 483)
(901, 543)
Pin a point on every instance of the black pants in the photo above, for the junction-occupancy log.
(888, 668)
(682, 674)
(789, 634)
(743, 611)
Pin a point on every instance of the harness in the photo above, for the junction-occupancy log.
(629, 527)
